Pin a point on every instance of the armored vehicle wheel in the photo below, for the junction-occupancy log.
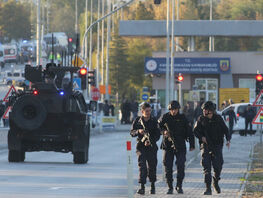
(16, 156)
(28, 112)
(80, 157)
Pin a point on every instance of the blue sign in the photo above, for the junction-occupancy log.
(145, 96)
(188, 65)
(76, 83)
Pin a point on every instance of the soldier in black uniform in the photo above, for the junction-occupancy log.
(210, 129)
(145, 128)
(176, 130)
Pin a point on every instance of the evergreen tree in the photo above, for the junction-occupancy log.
(119, 71)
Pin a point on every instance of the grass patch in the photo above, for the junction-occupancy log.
(254, 185)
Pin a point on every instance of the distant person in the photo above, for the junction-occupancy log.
(232, 118)
(112, 108)
(106, 108)
(198, 110)
(249, 114)
(230, 101)
(189, 114)
(134, 109)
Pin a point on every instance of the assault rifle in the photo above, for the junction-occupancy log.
(210, 145)
(146, 135)
(170, 138)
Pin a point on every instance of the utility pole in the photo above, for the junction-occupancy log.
(211, 38)
(102, 47)
(98, 48)
(172, 55)
(76, 17)
(107, 50)
(38, 32)
(167, 54)
(90, 36)
(86, 26)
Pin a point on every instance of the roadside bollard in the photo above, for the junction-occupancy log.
(129, 168)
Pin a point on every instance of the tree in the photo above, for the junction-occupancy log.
(119, 71)
(15, 20)
(137, 51)
(142, 13)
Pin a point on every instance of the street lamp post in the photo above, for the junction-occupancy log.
(167, 54)
(38, 32)
(172, 55)
(211, 38)
(107, 51)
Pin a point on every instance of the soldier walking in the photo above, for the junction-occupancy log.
(176, 130)
(145, 128)
(210, 129)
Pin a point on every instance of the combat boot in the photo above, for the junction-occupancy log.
(208, 190)
(170, 188)
(215, 185)
(152, 191)
(141, 191)
(179, 188)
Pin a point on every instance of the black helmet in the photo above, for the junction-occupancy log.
(209, 106)
(174, 105)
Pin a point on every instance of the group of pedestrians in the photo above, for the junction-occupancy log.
(176, 130)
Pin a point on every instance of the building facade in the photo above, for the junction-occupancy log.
(205, 73)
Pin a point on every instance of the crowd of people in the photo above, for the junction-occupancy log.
(177, 129)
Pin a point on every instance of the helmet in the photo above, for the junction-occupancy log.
(208, 106)
(174, 105)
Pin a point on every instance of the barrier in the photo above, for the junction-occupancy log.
(108, 123)
(129, 168)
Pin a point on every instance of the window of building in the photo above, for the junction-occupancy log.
(251, 84)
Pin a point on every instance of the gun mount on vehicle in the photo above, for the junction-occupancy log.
(48, 115)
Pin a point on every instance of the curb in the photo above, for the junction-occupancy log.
(240, 194)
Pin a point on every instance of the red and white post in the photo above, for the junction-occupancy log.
(129, 168)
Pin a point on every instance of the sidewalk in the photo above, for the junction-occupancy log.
(235, 166)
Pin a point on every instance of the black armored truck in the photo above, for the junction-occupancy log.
(49, 115)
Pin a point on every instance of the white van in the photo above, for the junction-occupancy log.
(239, 110)
(10, 53)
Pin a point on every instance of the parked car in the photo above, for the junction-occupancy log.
(16, 76)
(239, 110)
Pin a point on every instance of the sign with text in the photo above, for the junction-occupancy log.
(236, 94)
(188, 65)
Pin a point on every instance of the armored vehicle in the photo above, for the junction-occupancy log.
(48, 116)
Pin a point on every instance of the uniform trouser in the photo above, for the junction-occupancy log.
(248, 122)
(147, 162)
(231, 128)
(208, 160)
(168, 159)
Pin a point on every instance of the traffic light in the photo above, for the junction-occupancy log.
(180, 78)
(70, 40)
(92, 77)
(83, 77)
(259, 83)
(157, 2)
